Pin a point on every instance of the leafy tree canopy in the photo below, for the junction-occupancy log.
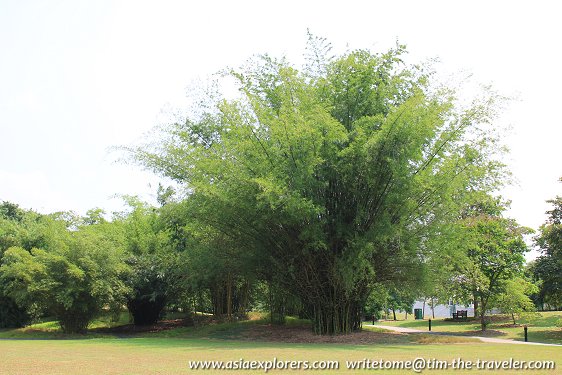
(336, 174)
(71, 282)
(548, 267)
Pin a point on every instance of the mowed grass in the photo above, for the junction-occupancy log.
(172, 356)
(542, 327)
(45, 350)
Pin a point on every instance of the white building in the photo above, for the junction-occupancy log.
(442, 311)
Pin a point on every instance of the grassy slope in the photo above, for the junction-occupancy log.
(542, 327)
(51, 330)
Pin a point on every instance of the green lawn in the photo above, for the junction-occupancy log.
(45, 350)
(542, 327)
(171, 356)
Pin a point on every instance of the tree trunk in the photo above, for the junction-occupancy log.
(423, 309)
(276, 304)
(394, 313)
(244, 298)
(513, 317)
(218, 298)
(476, 313)
(342, 318)
(433, 307)
(483, 322)
(229, 283)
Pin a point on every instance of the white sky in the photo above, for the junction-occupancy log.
(78, 77)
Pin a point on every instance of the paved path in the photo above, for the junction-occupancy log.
(484, 339)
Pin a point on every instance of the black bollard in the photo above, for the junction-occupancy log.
(525, 330)
(430, 324)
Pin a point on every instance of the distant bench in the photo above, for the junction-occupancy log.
(460, 315)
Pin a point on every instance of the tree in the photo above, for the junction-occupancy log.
(26, 229)
(155, 281)
(335, 175)
(157, 276)
(546, 274)
(548, 267)
(73, 282)
(377, 302)
(515, 297)
(400, 299)
(220, 265)
(494, 250)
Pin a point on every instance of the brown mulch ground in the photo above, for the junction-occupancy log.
(304, 334)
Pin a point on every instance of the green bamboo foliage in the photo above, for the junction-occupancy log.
(334, 177)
